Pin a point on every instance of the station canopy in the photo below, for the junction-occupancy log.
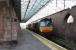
(30, 8)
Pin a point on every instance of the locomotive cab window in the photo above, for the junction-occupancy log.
(44, 23)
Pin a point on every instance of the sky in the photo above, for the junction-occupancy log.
(49, 9)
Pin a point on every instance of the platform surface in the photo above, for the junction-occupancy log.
(27, 42)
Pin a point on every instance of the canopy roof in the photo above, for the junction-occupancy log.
(31, 7)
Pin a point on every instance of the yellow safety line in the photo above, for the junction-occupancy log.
(48, 43)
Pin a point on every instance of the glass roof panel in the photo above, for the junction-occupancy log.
(36, 7)
(31, 4)
(33, 7)
(24, 4)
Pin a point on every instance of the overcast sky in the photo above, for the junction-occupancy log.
(49, 9)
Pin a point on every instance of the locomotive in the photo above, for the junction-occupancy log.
(46, 26)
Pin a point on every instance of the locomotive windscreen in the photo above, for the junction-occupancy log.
(44, 23)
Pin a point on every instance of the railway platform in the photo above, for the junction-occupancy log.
(29, 40)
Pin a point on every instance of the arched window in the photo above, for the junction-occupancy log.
(70, 19)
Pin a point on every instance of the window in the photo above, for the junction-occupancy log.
(44, 23)
(70, 19)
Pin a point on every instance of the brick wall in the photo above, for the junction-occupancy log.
(9, 24)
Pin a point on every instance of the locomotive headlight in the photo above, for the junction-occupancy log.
(51, 28)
